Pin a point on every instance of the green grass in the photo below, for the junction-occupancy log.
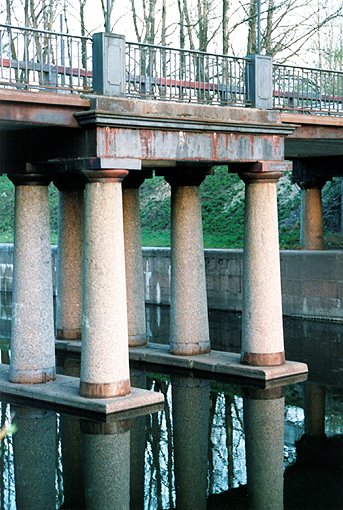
(222, 199)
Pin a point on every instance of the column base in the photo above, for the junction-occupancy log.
(43, 375)
(258, 359)
(184, 349)
(105, 390)
(68, 334)
(137, 340)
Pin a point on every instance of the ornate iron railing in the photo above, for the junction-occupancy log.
(39, 59)
(308, 90)
(33, 59)
(171, 74)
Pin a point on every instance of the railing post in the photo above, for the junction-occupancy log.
(260, 81)
(109, 64)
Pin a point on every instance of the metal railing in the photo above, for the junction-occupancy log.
(38, 59)
(32, 59)
(303, 89)
(171, 74)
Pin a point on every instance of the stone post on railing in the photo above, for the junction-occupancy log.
(260, 81)
(109, 64)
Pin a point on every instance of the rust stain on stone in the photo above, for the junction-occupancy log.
(214, 146)
(147, 139)
(108, 133)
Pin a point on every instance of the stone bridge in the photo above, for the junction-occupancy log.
(98, 149)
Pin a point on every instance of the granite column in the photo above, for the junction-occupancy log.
(32, 339)
(134, 260)
(104, 352)
(262, 328)
(69, 260)
(189, 330)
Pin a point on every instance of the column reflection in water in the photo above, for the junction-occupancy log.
(314, 409)
(34, 446)
(190, 400)
(137, 446)
(72, 461)
(264, 439)
(106, 460)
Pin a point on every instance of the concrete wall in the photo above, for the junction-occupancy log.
(312, 281)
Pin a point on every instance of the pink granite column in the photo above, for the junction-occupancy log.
(104, 352)
(189, 330)
(32, 342)
(134, 259)
(312, 215)
(69, 260)
(262, 328)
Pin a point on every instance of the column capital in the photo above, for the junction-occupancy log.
(104, 175)
(272, 166)
(312, 183)
(67, 182)
(136, 178)
(30, 178)
(186, 176)
(259, 177)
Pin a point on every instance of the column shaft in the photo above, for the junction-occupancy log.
(313, 218)
(264, 440)
(134, 268)
(262, 328)
(189, 330)
(104, 356)
(32, 344)
(69, 265)
(106, 457)
(34, 452)
(191, 398)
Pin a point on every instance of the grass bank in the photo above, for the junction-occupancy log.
(222, 199)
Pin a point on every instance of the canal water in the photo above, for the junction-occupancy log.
(217, 444)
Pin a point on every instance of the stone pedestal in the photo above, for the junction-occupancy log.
(69, 263)
(104, 353)
(34, 451)
(312, 215)
(189, 330)
(134, 260)
(190, 398)
(262, 328)
(32, 344)
(263, 413)
(106, 457)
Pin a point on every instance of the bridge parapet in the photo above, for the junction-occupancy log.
(108, 64)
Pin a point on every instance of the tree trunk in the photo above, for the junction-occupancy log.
(251, 48)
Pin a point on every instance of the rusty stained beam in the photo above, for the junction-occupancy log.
(157, 147)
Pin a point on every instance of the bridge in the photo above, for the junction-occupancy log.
(96, 117)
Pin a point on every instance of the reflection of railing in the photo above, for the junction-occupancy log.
(308, 90)
(182, 75)
(39, 59)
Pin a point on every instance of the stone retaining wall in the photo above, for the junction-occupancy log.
(312, 281)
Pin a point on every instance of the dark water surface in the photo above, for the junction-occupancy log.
(216, 445)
